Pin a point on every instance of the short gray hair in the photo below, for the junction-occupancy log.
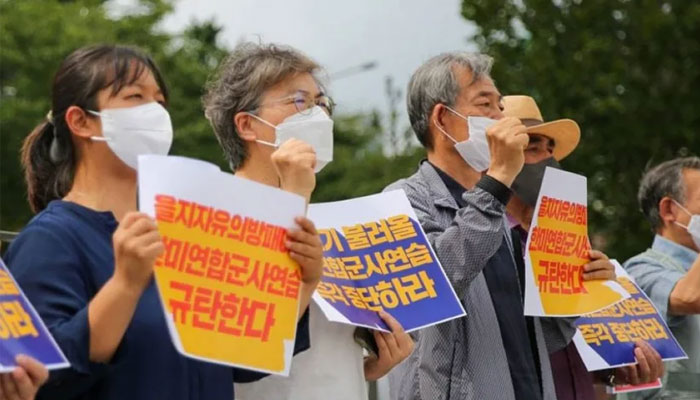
(435, 82)
(664, 180)
(238, 85)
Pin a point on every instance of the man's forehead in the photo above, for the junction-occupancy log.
(482, 87)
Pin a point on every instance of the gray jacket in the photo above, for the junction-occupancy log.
(462, 358)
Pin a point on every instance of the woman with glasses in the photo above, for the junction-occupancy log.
(304, 102)
(272, 118)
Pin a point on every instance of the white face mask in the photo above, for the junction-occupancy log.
(693, 226)
(475, 150)
(132, 131)
(315, 128)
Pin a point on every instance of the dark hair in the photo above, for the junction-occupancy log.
(48, 156)
(664, 180)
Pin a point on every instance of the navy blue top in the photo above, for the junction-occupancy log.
(61, 260)
(517, 331)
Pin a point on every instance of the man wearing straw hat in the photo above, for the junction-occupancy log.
(550, 142)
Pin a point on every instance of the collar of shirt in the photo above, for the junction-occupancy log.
(512, 222)
(681, 254)
(454, 187)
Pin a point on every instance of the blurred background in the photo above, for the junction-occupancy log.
(627, 71)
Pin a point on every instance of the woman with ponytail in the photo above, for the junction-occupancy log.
(86, 259)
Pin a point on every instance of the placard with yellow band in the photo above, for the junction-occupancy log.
(606, 339)
(558, 248)
(376, 256)
(229, 289)
(21, 329)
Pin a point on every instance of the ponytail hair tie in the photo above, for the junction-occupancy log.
(55, 153)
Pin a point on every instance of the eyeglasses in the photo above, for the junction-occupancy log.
(304, 103)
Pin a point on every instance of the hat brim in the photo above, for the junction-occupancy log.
(565, 133)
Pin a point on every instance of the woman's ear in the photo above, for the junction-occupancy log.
(80, 123)
(243, 123)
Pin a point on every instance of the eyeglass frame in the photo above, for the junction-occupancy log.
(305, 97)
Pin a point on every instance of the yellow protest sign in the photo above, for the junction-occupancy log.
(558, 248)
(227, 284)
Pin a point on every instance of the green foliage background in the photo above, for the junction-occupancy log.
(627, 71)
(35, 35)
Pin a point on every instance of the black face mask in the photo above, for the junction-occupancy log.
(529, 181)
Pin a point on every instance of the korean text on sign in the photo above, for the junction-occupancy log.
(224, 285)
(610, 334)
(557, 251)
(228, 286)
(382, 263)
(21, 330)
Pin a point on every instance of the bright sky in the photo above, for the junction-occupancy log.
(396, 34)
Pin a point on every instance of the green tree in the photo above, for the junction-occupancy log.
(35, 35)
(360, 166)
(627, 71)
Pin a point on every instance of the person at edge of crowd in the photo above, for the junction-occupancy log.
(669, 271)
(459, 195)
(550, 142)
(268, 108)
(86, 260)
(24, 381)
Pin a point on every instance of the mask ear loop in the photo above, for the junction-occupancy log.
(681, 206)
(684, 209)
(98, 138)
(443, 130)
(455, 112)
(445, 133)
(55, 153)
(266, 143)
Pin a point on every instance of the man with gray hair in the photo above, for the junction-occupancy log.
(669, 272)
(460, 194)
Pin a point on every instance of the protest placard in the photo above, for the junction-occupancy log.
(376, 256)
(605, 339)
(229, 289)
(21, 329)
(558, 248)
